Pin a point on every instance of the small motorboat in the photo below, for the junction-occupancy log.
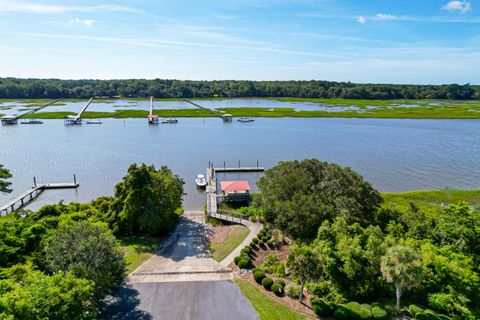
(171, 120)
(94, 121)
(201, 181)
(245, 119)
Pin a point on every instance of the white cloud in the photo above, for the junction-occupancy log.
(87, 22)
(23, 6)
(455, 5)
(362, 20)
(385, 17)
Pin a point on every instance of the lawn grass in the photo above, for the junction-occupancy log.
(432, 199)
(221, 250)
(137, 249)
(266, 307)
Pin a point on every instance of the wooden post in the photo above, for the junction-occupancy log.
(257, 163)
(224, 165)
(74, 179)
(34, 182)
(239, 163)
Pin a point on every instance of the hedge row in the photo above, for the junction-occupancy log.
(349, 311)
(427, 314)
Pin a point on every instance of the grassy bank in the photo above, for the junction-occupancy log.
(137, 250)
(221, 250)
(431, 199)
(266, 307)
(395, 109)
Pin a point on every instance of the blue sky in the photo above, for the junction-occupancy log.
(381, 41)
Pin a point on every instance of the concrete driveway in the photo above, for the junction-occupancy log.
(181, 281)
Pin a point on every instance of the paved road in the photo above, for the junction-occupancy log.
(181, 282)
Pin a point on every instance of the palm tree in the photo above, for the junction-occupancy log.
(402, 266)
(305, 264)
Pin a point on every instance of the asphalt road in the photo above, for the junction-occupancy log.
(181, 282)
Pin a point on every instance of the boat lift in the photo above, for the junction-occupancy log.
(11, 120)
(152, 118)
(73, 120)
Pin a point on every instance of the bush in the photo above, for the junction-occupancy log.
(256, 269)
(379, 313)
(277, 289)
(267, 283)
(281, 282)
(255, 240)
(426, 316)
(293, 291)
(321, 308)
(341, 313)
(244, 264)
(258, 276)
(246, 251)
(237, 260)
(414, 309)
(253, 245)
(249, 248)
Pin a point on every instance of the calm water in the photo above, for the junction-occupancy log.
(395, 155)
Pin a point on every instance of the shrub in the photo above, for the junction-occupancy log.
(270, 244)
(246, 250)
(293, 291)
(267, 283)
(426, 316)
(281, 282)
(379, 313)
(244, 264)
(277, 289)
(443, 317)
(256, 269)
(237, 260)
(249, 248)
(321, 308)
(260, 242)
(354, 310)
(253, 245)
(255, 240)
(341, 313)
(414, 309)
(258, 276)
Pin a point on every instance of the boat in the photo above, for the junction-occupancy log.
(94, 121)
(201, 181)
(245, 119)
(171, 120)
(32, 121)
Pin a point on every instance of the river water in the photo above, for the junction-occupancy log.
(395, 155)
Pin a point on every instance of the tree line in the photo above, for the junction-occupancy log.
(14, 88)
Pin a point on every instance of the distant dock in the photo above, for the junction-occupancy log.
(30, 195)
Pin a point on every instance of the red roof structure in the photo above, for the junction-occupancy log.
(234, 186)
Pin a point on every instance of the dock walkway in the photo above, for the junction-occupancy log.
(28, 196)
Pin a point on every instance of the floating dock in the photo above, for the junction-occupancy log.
(28, 196)
(74, 120)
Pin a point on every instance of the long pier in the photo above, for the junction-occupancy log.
(212, 196)
(226, 117)
(28, 196)
(10, 120)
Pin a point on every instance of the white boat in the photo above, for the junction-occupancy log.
(245, 119)
(171, 120)
(94, 121)
(201, 181)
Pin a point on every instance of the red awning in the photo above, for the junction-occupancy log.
(234, 186)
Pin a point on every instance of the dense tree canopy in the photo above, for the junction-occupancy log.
(88, 251)
(147, 199)
(13, 88)
(297, 196)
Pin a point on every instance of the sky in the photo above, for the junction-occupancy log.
(366, 41)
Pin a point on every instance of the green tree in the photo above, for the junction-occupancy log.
(402, 266)
(26, 293)
(305, 264)
(297, 196)
(146, 200)
(4, 174)
(88, 251)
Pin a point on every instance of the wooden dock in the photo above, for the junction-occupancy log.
(224, 116)
(30, 195)
(212, 196)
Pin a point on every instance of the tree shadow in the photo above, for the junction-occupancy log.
(122, 304)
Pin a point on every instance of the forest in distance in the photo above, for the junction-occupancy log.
(15, 88)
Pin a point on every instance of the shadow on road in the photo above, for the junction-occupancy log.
(123, 304)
